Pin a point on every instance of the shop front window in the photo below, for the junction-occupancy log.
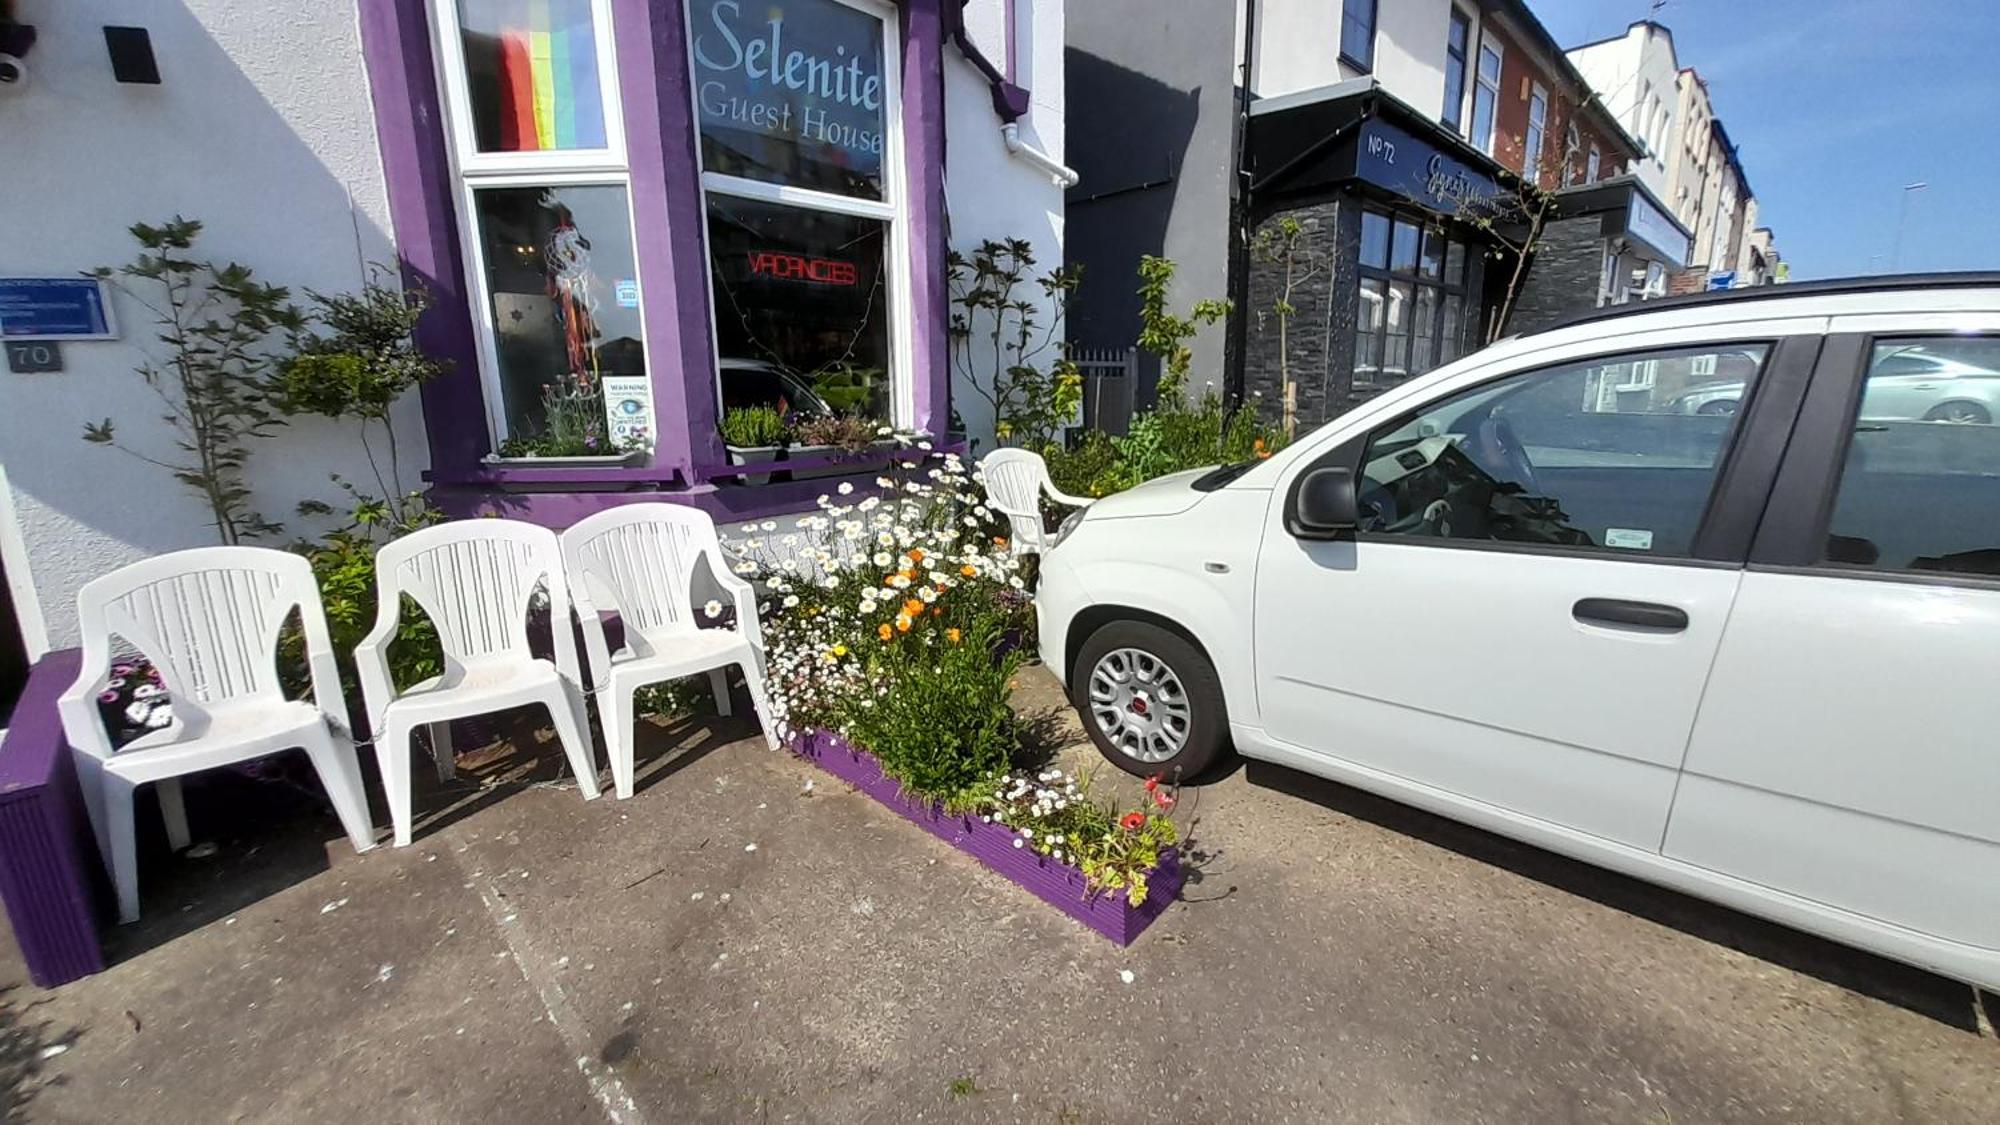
(797, 106)
(530, 92)
(1411, 300)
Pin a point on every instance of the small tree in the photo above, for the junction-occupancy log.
(358, 368)
(1165, 334)
(1519, 215)
(1284, 244)
(213, 322)
(998, 344)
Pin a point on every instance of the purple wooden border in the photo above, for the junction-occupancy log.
(668, 231)
(923, 162)
(1057, 884)
(48, 855)
(416, 168)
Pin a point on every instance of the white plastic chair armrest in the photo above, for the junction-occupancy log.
(1061, 497)
(371, 664)
(744, 596)
(328, 695)
(82, 725)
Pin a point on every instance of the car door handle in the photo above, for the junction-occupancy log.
(1619, 613)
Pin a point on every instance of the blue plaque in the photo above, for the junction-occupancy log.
(55, 308)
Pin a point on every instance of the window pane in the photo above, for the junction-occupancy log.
(1482, 116)
(1424, 326)
(1454, 91)
(532, 75)
(1433, 256)
(1368, 337)
(1403, 252)
(1396, 344)
(1357, 31)
(1374, 240)
(1559, 456)
(1921, 490)
(564, 291)
(801, 308)
(1450, 346)
(791, 93)
(1454, 264)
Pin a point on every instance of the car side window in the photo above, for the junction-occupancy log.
(1920, 489)
(1616, 453)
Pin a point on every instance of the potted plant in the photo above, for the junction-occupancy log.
(573, 434)
(752, 434)
(835, 433)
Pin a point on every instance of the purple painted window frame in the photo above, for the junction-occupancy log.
(667, 209)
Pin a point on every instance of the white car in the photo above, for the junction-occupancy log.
(1749, 656)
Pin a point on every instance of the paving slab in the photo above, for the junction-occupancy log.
(748, 940)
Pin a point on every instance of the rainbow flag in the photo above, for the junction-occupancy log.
(549, 94)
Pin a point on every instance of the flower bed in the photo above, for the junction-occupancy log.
(896, 622)
(999, 847)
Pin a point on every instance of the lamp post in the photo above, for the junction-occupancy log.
(1902, 220)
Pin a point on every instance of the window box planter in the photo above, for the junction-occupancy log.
(753, 455)
(836, 461)
(625, 460)
(1058, 884)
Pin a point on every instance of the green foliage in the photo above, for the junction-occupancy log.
(572, 423)
(753, 426)
(1173, 436)
(363, 360)
(343, 563)
(672, 699)
(941, 723)
(962, 1087)
(213, 323)
(1165, 334)
(999, 347)
(849, 388)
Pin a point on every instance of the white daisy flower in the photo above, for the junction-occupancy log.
(713, 609)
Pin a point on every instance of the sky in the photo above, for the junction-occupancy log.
(1834, 106)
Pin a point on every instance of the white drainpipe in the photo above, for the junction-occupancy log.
(1064, 177)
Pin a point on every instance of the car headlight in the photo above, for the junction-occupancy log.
(1070, 523)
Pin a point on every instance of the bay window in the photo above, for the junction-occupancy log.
(545, 217)
(801, 178)
(1411, 312)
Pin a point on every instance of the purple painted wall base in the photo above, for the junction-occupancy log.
(48, 856)
(1057, 884)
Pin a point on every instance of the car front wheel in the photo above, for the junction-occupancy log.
(1151, 701)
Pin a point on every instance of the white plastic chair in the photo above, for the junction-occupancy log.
(209, 620)
(1015, 482)
(640, 560)
(475, 579)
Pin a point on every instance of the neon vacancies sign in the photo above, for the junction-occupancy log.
(798, 267)
(791, 92)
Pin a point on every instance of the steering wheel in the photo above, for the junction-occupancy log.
(1495, 446)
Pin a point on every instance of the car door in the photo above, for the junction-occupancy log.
(1528, 612)
(1846, 749)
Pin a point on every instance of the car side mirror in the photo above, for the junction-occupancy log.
(1327, 504)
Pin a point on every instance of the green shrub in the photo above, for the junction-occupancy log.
(753, 426)
(940, 722)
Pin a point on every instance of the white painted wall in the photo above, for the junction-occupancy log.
(989, 192)
(261, 128)
(1624, 72)
(1298, 48)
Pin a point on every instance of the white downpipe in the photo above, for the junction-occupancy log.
(1064, 177)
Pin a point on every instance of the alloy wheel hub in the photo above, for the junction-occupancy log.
(1140, 705)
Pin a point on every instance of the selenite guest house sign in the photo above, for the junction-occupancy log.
(55, 308)
(792, 92)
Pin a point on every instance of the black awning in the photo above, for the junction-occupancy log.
(1355, 133)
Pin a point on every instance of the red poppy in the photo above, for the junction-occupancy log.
(1164, 800)
(1132, 821)
(1152, 783)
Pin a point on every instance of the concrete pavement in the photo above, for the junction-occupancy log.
(732, 945)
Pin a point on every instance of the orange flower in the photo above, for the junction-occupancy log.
(902, 624)
(969, 570)
(915, 554)
(999, 540)
(952, 635)
(885, 632)
(907, 575)
(913, 608)
(937, 611)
